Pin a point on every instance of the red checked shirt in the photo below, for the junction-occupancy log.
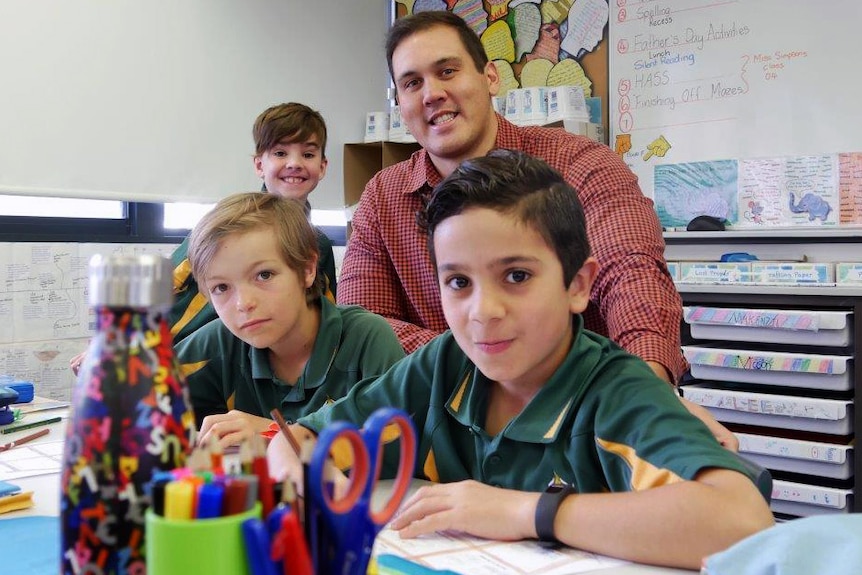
(387, 268)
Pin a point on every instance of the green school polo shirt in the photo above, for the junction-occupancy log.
(603, 422)
(192, 310)
(223, 372)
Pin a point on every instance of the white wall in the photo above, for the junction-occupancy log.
(155, 100)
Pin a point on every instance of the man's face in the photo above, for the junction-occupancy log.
(444, 100)
(291, 170)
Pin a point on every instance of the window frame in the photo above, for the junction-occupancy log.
(142, 224)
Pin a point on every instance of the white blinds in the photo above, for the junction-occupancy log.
(154, 101)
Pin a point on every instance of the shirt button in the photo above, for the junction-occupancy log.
(495, 459)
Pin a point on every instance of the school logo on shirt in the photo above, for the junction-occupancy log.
(557, 481)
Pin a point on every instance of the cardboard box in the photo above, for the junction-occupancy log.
(376, 126)
(363, 160)
(567, 102)
(527, 106)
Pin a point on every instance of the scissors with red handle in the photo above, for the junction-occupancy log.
(351, 522)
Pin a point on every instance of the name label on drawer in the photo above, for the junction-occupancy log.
(753, 318)
(822, 365)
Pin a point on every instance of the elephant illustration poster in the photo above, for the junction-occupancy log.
(789, 191)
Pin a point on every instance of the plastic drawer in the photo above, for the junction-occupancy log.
(797, 455)
(833, 416)
(804, 500)
(808, 370)
(799, 327)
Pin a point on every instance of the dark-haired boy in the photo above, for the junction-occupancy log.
(519, 397)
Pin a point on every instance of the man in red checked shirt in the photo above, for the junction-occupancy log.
(444, 84)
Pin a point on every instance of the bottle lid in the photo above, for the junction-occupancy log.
(144, 280)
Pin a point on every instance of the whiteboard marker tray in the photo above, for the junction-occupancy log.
(806, 370)
(833, 416)
(797, 455)
(799, 327)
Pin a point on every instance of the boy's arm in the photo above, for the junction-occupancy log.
(200, 358)
(675, 525)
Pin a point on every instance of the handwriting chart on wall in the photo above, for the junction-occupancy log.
(743, 109)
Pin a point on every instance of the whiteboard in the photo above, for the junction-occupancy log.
(704, 80)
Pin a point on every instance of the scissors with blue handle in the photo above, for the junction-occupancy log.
(351, 521)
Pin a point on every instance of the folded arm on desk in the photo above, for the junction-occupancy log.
(675, 525)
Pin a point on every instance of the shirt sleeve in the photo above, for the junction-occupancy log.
(369, 279)
(380, 347)
(199, 357)
(326, 264)
(644, 436)
(634, 291)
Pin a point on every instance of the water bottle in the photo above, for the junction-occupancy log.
(130, 416)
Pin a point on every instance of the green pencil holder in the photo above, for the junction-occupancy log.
(197, 546)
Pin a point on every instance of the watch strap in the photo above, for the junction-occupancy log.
(546, 510)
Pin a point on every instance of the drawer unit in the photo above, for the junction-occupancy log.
(796, 327)
(780, 367)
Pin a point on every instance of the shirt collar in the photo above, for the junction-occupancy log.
(322, 354)
(543, 418)
(425, 173)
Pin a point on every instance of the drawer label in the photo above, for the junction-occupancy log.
(763, 362)
(754, 318)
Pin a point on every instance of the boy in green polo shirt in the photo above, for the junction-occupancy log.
(532, 426)
(290, 158)
(278, 343)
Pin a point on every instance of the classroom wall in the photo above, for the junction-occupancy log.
(45, 318)
(154, 101)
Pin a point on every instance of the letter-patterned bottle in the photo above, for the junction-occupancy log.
(131, 416)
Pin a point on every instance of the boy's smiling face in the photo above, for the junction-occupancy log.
(503, 296)
(292, 170)
(260, 299)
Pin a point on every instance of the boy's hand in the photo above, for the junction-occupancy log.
(283, 462)
(471, 507)
(231, 428)
(75, 362)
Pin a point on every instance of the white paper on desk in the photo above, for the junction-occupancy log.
(30, 461)
(466, 554)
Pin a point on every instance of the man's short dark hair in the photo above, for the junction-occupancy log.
(520, 185)
(405, 27)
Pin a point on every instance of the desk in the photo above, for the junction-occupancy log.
(46, 497)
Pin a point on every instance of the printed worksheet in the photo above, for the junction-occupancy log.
(466, 554)
(31, 460)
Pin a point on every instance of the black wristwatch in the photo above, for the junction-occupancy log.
(546, 510)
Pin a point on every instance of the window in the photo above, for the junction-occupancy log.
(33, 206)
(41, 219)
